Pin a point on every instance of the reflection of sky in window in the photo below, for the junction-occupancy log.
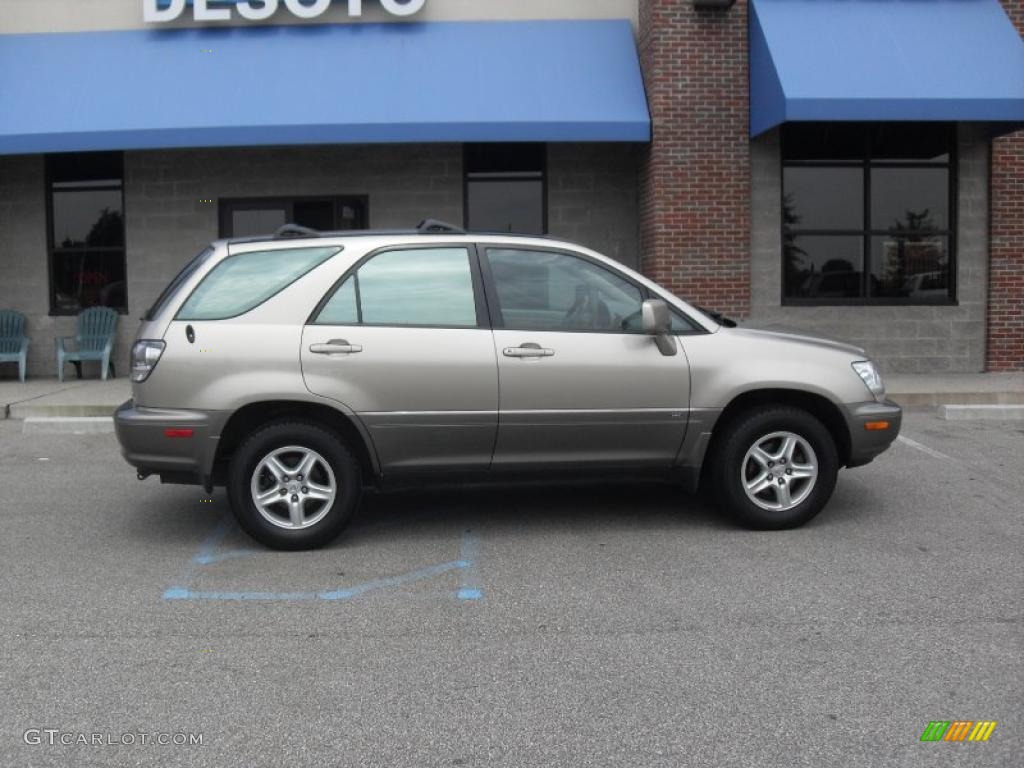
(418, 287)
(241, 282)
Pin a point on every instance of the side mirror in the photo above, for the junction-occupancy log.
(657, 322)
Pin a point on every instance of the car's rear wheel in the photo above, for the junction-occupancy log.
(775, 468)
(293, 485)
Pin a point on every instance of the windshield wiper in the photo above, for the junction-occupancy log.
(718, 317)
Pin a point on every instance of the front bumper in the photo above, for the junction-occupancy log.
(866, 443)
(146, 446)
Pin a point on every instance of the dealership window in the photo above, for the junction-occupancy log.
(85, 208)
(506, 188)
(868, 213)
(250, 217)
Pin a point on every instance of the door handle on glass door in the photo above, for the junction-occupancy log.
(335, 347)
(528, 350)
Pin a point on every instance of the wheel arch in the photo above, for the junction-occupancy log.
(819, 406)
(252, 416)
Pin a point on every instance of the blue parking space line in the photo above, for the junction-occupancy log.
(469, 588)
(469, 552)
(393, 581)
(222, 556)
(210, 544)
(183, 593)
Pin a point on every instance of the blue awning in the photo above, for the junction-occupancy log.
(320, 84)
(955, 60)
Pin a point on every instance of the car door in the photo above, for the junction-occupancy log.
(403, 341)
(580, 383)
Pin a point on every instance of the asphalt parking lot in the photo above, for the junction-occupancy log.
(624, 626)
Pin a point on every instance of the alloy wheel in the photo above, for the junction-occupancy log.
(779, 471)
(293, 487)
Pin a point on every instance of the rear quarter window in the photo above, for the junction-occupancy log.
(243, 281)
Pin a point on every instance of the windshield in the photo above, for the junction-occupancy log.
(172, 288)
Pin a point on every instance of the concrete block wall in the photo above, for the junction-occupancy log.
(24, 271)
(592, 197)
(903, 339)
(168, 223)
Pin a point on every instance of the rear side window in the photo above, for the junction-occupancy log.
(426, 287)
(246, 280)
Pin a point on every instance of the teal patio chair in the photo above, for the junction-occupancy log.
(13, 341)
(94, 340)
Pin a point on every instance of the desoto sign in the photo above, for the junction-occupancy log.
(256, 10)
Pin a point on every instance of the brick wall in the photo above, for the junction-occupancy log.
(695, 175)
(1006, 270)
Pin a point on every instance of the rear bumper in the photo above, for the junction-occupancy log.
(146, 446)
(866, 444)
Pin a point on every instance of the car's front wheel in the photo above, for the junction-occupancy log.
(293, 485)
(775, 468)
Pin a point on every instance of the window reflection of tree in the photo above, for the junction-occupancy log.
(797, 268)
(90, 282)
(913, 250)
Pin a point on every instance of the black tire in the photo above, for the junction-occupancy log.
(335, 453)
(728, 467)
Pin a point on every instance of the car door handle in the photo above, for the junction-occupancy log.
(528, 350)
(335, 347)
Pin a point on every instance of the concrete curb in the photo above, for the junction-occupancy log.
(68, 425)
(974, 412)
(916, 399)
(29, 410)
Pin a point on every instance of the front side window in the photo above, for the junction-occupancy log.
(550, 291)
(85, 202)
(867, 213)
(243, 281)
(425, 287)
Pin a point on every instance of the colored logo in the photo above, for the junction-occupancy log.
(958, 730)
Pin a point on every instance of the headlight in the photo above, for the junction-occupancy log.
(870, 376)
(145, 356)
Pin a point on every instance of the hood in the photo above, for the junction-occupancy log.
(799, 336)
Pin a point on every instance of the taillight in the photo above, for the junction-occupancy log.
(145, 356)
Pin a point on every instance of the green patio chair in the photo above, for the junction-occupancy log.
(13, 341)
(94, 340)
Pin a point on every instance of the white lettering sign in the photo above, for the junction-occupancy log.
(162, 11)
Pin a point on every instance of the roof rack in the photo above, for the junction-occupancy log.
(425, 227)
(434, 225)
(294, 230)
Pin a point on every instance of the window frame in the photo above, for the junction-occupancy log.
(479, 299)
(506, 177)
(52, 250)
(225, 206)
(494, 305)
(867, 234)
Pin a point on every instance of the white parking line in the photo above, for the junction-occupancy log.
(924, 448)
